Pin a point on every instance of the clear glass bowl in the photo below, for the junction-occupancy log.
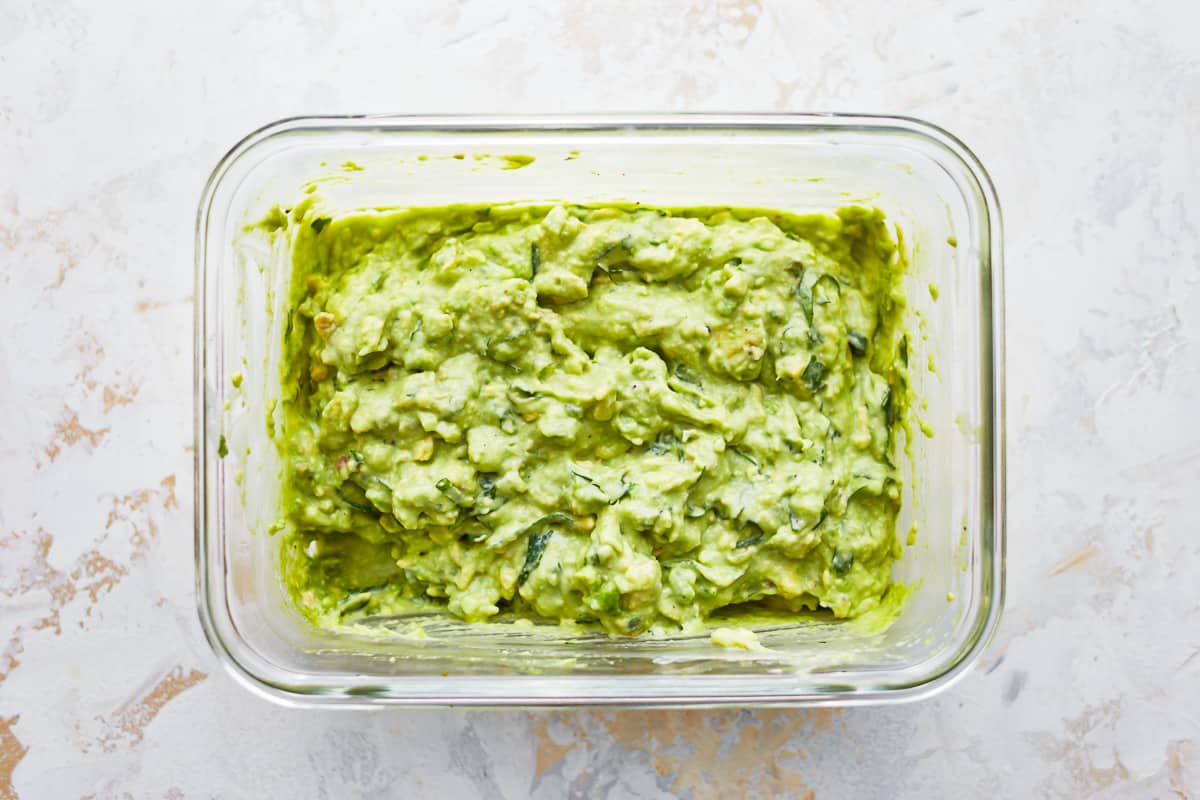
(927, 181)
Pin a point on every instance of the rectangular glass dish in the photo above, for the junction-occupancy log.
(926, 181)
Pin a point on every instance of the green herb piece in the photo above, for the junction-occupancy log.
(752, 539)
(487, 484)
(535, 260)
(553, 516)
(820, 298)
(804, 294)
(744, 456)
(222, 447)
(814, 375)
(858, 343)
(525, 394)
(357, 506)
(452, 493)
(685, 374)
(858, 484)
(354, 602)
(533, 553)
(506, 342)
(626, 243)
(889, 408)
(583, 477)
(319, 223)
(666, 443)
(626, 490)
(809, 297)
(842, 561)
(608, 248)
(904, 350)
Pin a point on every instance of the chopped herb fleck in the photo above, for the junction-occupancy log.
(814, 375)
(626, 490)
(752, 539)
(684, 373)
(533, 554)
(804, 293)
(858, 343)
(452, 493)
(742, 454)
(608, 248)
(356, 505)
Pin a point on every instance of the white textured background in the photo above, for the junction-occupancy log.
(1086, 114)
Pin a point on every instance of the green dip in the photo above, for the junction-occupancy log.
(618, 416)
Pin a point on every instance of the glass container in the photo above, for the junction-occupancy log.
(926, 181)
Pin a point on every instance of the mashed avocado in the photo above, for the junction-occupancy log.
(620, 416)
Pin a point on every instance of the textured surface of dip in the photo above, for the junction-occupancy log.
(617, 416)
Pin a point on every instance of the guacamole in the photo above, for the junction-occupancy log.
(625, 417)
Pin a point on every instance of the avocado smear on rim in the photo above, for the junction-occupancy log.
(618, 416)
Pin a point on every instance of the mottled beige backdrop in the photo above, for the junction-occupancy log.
(112, 114)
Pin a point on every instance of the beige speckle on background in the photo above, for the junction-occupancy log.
(11, 753)
(68, 432)
(117, 396)
(1078, 559)
(130, 720)
(112, 115)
